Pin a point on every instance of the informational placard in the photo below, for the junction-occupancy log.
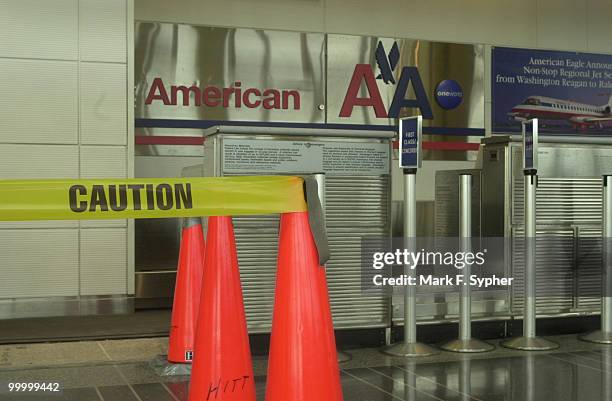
(410, 133)
(530, 144)
(570, 93)
(247, 156)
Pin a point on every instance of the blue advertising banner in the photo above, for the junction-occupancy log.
(410, 133)
(570, 93)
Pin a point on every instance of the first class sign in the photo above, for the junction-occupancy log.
(410, 134)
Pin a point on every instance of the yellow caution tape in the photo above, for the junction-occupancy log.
(149, 198)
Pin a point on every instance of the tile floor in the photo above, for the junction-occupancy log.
(123, 370)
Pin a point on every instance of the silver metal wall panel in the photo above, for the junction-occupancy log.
(568, 214)
(571, 201)
(257, 247)
(220, 57)
(443, 304)
(257, 243)
(446, 220)
(568, 211)
(589, 270)
(554, 270)
(355, 207)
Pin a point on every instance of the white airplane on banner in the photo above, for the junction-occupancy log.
(580, 115)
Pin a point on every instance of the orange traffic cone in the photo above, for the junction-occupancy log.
(222, 369)
(303, 365)
(187, 292)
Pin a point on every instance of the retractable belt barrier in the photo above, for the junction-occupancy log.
(149, 197)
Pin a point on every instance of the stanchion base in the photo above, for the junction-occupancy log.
(469, 345)
(529, 344)
(344, 357)
(410, 350)
(599, 337)
(162, 367)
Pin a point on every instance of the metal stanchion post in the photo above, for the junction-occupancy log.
(604, 335)
(410, 347)
(529, 341)
(410, 381)
(530, 381)
(320, 178)
(465, 342)
(606, 376)
(465, 379)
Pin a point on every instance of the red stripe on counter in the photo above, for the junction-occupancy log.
(197, 140)
(168, 140)
(459, 146)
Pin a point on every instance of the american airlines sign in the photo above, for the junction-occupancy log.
(206, 74)
(409, 78)
(395, 78)
(214, 96)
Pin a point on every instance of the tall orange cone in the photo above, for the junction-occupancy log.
(222, 369)
(303, 365)
(187, 292)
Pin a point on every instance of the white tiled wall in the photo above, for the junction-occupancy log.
(103, 162)
(103, 254)
(38, 102)
(39, 29)
(103, 103)
(39, 262)
(102, 30)
(66, 90)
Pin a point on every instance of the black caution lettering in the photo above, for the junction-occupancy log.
(73, 193)
(136, 195)
(112, 197)
(150, 197)
(182, 193)
(98, 199)
(163, 194)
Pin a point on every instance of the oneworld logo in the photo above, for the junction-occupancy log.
(449, 94)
